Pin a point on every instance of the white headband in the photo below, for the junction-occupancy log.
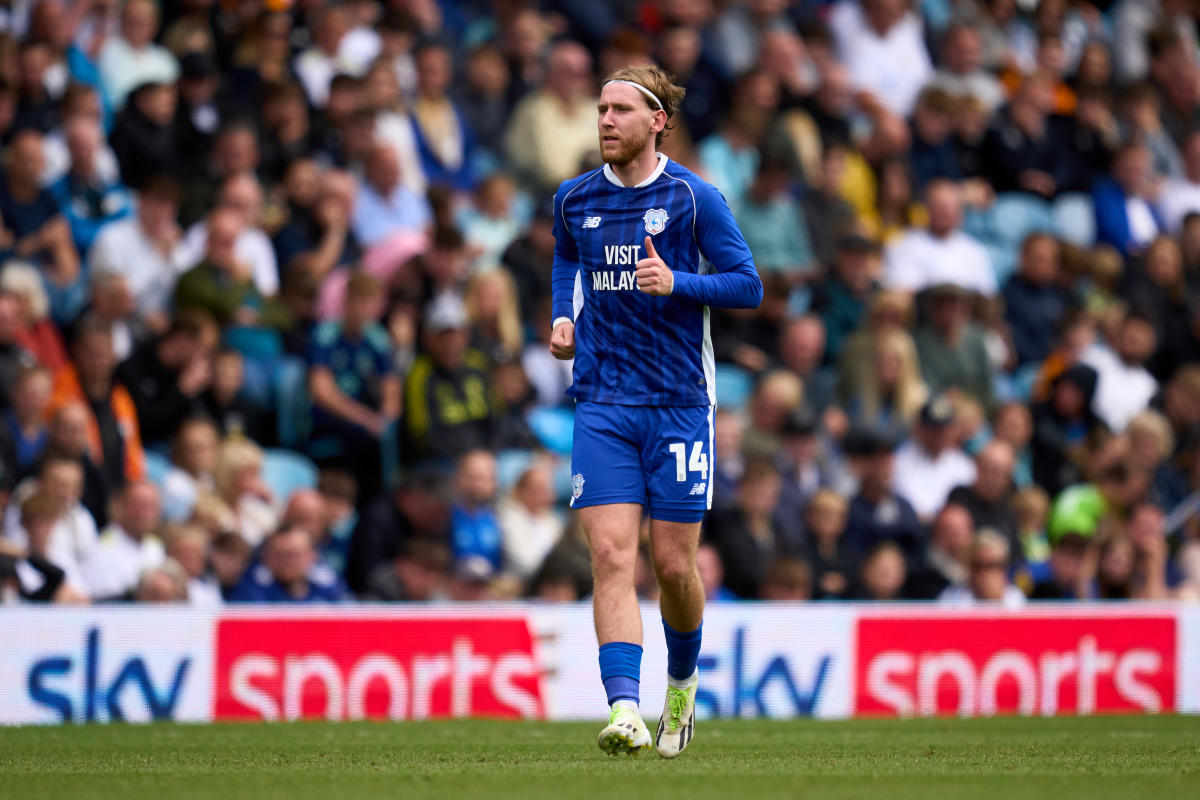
(641, 89)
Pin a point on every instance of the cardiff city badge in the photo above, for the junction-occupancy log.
(656, 220)
(576, 486)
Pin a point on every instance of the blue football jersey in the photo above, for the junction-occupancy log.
(632, 348)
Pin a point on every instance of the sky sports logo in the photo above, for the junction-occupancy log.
(929, 666)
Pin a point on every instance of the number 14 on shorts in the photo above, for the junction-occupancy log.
(698, 462)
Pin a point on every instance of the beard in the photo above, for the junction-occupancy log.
(628, 148)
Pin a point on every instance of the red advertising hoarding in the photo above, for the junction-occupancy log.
(385, 668)
(934, 665)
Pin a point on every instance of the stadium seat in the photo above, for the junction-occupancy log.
(509, 466)
(157, 466)
(1075, 219)
(734, 385)
(553, 427)
(285, 472)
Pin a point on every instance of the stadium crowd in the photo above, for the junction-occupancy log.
(274, 295)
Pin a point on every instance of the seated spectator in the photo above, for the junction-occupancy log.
(712, 575)
(773, 224)
(132, 58)
(331, 53)
(942, 254)
(88, 198)
(1161, 290)
(882, 575)
(892, 393)
(1125, 217)
(166, 375)
(1180, 196)
(1147, 533)
(777, 395)
(801, 350)
(33, 224)
(26, 578)
(226, 402)
(317, 233)
(230, 557)
(1124, 386)
(37, 333)
(553, 128)
(448, 408)
(960, 71)
(1151, 444)
(806, 463)
(234, 152)
(882, 45)
(143, 247)
(1067, 570)
(934, 153)
(67, 532)
(1027, 150)
(444, 139)
(239, 483)
(384, 206)
(841, 299)
(67, 437)
(989, 498)
(23, 430)
(222, 284)
(113, 439)
(877, 512)
(166, 583)
(474, 527)
(495, 316)
(188, 546)
(242, 193)
(946, 561)
(829, 215)
(929, 465)
(1031, 508)
(128, 546)
(493, 222)
(290, 572)
(746, 536)
(339, 494)
(833, 562)
(1114, 570)
(988, 577)
(144, 138)
(1034, 300)
(787, 579)
(952, 348)
(419, 573)
(193, 462)
(529, 523)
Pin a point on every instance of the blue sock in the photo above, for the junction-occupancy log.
(621, 670)
(683, 649)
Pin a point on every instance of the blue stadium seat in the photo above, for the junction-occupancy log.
(1075, 219)
(553, 427)
(734, 385)
(285, 472)
(509, 466)
(157, 466)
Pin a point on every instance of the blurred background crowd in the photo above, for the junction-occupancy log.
(274, 296)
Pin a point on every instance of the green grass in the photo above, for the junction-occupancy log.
(1010, 759)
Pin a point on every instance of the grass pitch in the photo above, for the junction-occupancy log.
(1011, 759)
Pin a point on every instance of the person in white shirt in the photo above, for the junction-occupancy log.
(132, 59)
(529, 524)
(336, 49)
(961, 73)
(987, 578)
(188, 546)
(941, 254)
(883, 44)
(193, 461)
(128, 546)
(1180, 197)
(1124, 386)
(69, 534)
(242, 193)
(928, 466)
(143, 248)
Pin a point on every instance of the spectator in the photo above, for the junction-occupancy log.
(746, 536)
(1068, 558)
(712, 574)
(564, 110)
(493, 222)
(529, 523)
(989, 498)
(166, 583)
(773, 223)
(66, 533)
(1061, 429)
(1123, 385)
(883, 573)
(1125, 217)
(230, 559)
(317, 237)
(833, 562)
(946, 562)
(448, 407)
(444, 140)
(801, 349)
(1159, 289)
(880, 41)
(495, 316)
(188, 546)
(988, 581)
(128, 546)
(37, 333)
(1180, 195)
(290, 572)
(929, 465)
(943, 254)
(28, 578)
(841, 299)
(1027, 150)
(961, 71)
(1030, 508)
(239, 483)
(385, 207)
(166, 375)
(474, 527)
(225, 400)
(87, 196)
(877, 513)
(328, 55)
(114, 439)
(132, 58)
(193, 462)
(892, 393)
(787, 579)
(144, 138)
(417, 574)
(829, 215)
(952, 349)
(1034, 300)
(23, 431)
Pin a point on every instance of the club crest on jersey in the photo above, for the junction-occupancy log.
(656, 220)
(576, 486)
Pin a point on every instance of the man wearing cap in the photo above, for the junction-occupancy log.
(636, 323)
(876, 512)
(928, 465)
(448, 407)
(841, 299)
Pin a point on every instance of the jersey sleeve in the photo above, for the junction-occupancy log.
(566, 262)
(735, 282)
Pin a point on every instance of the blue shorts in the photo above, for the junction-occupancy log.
(656, 456)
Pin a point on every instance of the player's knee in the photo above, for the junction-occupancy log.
(674, 570)
(611, 559)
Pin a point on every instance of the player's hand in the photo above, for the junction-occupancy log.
(562, 341)
(653, 275)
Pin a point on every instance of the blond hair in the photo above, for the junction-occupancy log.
(508, 317)
(659, 83)
(1154, 424)
(235, 456)
(22, 279)
(909, 393)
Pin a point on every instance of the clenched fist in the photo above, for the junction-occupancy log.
(562, 341)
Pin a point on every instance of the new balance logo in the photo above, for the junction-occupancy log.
(698, 488)
(591, 222)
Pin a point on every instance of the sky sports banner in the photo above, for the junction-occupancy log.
(539, 662)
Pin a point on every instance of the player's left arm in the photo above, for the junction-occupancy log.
(735, 284)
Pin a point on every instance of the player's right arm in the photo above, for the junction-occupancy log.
(562, 282)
